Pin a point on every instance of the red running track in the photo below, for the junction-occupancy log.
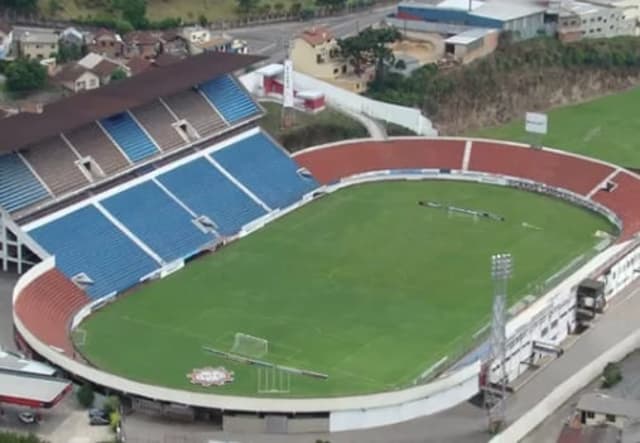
(47, 305)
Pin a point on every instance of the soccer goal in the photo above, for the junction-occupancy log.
(250, 346)
(79, 337)
(273, 380)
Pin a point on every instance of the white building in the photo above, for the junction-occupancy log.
(6, 38)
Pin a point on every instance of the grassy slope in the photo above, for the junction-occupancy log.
(328, 126)
(365, 285)
(606, 128)
(189, 10)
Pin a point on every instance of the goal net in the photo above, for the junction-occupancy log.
(250, 346)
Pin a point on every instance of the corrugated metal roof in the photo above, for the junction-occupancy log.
(504, 11)
(41, 389)
(604, 404)
(470, 36)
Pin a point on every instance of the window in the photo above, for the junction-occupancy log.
(544, 332)
(611, 418)
(590, 414)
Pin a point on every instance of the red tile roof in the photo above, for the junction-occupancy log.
(317, 35)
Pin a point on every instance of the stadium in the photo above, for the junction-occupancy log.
(172, 251)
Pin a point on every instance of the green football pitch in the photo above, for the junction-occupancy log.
(605, 128)
(364, 285)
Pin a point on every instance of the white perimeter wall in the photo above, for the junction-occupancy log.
(410, 118)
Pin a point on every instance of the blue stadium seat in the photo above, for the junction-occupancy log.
(86, 241)
(266, 170)
(232, 101)
(129, 136)
(157, 220)
(204, 189)
(18, 186)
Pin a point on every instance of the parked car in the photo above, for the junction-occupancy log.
(97, 420)
(97, 412)
(27, 417)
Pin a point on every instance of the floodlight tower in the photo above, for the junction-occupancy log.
(495, 399)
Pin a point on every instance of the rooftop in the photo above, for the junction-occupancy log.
(21, 130)
(316, 35)
(604, 404)
(15, 362)
(460, 4)
(36, 388)
(469, 36)
(502, 10)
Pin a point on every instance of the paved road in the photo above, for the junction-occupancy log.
(270, 40)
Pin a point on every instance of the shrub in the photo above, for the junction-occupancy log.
(111, 404)
(611, 376)
(85, 396)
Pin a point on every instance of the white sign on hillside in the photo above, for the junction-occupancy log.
(536, 123)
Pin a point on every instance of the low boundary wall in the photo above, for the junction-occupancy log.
(410, 118)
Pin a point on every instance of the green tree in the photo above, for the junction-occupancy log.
(247, 6)
(21, 5)
(278, 7)
(25, 75)
(54, 6)
(133, 11)
(295, 8)
(370, 46)
(118, 74)
(203, 20)
(69, 52)
(611, 375)
(85, 396)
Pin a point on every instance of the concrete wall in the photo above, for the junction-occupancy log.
(259, 425)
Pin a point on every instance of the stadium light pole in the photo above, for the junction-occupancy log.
(495, 399)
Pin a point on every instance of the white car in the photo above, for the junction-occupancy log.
(27, 417)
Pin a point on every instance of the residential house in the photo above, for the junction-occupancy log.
(36, 43)
(108, 44)
(146, 44)
(316, 53)
(71, 36)
(6, 38)
(77, 78)
(102, 66)
(174, 43)
(599, 409)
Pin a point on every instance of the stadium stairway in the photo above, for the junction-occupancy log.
(206, 191)
(159, 221)
(192, 107)
(54, 162)
(155, 118)
(135, 144)
(623, 200)
(19, 187)
(47, 305)
(233, 102)
(91, 141)
(264, 168)
(85, 241)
